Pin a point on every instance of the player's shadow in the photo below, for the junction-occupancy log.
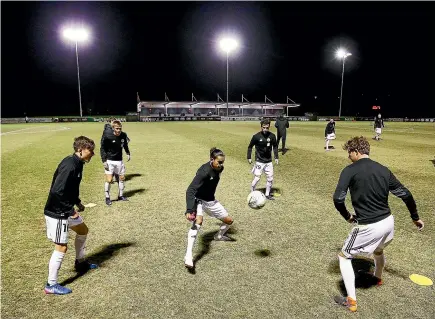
(273, 190)
(433, 162)
(330, 147)
(362, 267)
(205, 245)
(131, 176)
(133, 192)
(106, 253)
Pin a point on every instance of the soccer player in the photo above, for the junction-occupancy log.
(263, 141)
(282, 125)
(112, 143)
(378, 125)
(329, 133)
(200, 198)
(369, 183)
(60, 215)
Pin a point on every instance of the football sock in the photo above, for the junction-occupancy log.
(191, 237)
(121, 188)
(348, 276)
(379, 265)
(223, 229)
(327, 144)
(268, 187)
(254, 182)
(107, 189)
(80, 246)
(54, 266)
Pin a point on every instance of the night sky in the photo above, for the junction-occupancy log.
(287, 49)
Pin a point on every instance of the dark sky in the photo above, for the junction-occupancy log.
(287, 49)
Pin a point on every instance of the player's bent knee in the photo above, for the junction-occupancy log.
(109, 178)
(122, 177)
(61, 247)
(228, 220)
(198, 220)
(378, 252)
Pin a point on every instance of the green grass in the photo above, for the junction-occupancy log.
(141, 243)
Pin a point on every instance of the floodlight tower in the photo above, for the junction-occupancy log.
(342, 54)
(228, 45)
(77, 35)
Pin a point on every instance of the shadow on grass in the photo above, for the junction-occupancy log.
(99, 258)
(433, 162)
(133, 192)
(205, 245)
(131, 176)
(262, 253)
(330, 147)
(363, 268)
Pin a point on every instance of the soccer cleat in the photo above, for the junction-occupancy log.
(373, 279)
(122, 198)
(222, 238)
(188, 262)
(56, 289)
(84, 266)
(347, 302)
(108, 201)
(270, 197)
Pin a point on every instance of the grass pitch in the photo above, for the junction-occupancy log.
(284, 262)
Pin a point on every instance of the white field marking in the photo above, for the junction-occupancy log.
(23, 129)
(62, 128)
(404, 130)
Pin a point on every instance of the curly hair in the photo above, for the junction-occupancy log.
(83, 142)
(357, 144)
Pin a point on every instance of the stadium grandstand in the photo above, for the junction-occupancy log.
(217, 108)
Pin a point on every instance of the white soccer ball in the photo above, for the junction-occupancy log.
(256, 200)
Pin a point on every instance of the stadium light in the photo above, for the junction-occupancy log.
(228, 45)
(342, 54)
(77, 35)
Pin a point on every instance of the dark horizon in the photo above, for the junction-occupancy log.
(287, 49)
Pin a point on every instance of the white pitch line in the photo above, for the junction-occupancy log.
(21, 132)
(23, 129)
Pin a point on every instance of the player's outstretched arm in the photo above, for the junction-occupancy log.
(397, 189)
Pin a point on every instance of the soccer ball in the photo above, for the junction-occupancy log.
(256, 200)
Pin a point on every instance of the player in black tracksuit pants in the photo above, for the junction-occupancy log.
(369, 183)
(282, 125)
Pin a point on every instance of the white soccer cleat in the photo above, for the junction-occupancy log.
(188, 262)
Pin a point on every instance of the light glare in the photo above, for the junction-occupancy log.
(228, 44)
(341, 53)
(76, 34)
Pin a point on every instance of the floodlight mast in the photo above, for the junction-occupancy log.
(342, 54)
(228, 45)
(76, 35)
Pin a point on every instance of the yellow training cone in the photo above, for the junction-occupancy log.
(421, 280)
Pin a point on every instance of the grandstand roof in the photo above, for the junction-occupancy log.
(216, 104)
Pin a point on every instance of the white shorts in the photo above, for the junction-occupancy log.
(378, 131)
(57, 229)
(260, 167)
(330, 136)
(365, 239)
(213, 209)
(115, 167)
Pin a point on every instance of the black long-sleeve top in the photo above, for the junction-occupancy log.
(203, 187)
(263, 147)
(282, 125)
(370, 183)
(65, 188)
(112, 145)
(379, 123)
(330, 128)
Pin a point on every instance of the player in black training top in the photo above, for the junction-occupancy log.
(378, 125)
(200, 198)
(112, 143)
(60, 215)
(369, 183)
(263, 141)
(329, 133)
(282, 125)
